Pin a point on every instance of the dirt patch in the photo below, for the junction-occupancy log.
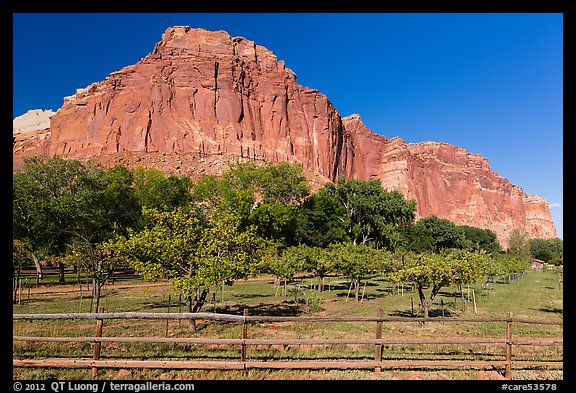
(489, 375)
(123, 374)
(74, 288)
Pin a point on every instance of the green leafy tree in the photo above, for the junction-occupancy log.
(154, 189)
(478, 239)
(265, 196)
(546, 249)
(283, 266)
(283, 182)
(223, 194)
(192, 254)
(434, 271)
(42, 205)
(434, 234)
(556, 246)
(466, 268)
(492, 267)
(21, 258)
(275, 221)
(60, 203)
(119, 204)
(356, 262)
(97, 261)
(320, 220)
(519, 244)
(556, 261)
(315, 260)
(371, 213)
(57, 202)
(511, 263)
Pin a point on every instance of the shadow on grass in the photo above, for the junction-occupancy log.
(335, 287)
(554, 310)
(284, 309)
(163, 305)
(386, 291)
(450, 295)
(251, 295)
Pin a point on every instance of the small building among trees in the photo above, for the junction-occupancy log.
(538, 264)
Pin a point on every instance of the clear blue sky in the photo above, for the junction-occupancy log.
(490, 83)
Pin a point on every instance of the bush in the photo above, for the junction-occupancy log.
(556, 261)
(315, 303)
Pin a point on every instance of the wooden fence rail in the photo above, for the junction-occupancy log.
(257, 318)
(290, 341)
(377, 364)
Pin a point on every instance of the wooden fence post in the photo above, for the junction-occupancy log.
(508, 372)
(378, 347)
(167, 320)
(244, 336)
(97, 345)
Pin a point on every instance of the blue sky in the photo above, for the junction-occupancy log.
(490, 83)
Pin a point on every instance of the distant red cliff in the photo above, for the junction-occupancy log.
(201, 99)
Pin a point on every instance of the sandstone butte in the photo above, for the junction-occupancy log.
(202, 99)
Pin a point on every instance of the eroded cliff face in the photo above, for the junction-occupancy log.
(203, 93)
(538, 221)
(201, 99)
(446, 181)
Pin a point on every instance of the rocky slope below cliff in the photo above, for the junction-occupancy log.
(201, 99)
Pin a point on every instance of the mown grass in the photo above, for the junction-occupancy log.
(536, 296)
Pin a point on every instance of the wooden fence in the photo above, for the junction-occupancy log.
(29, 277)
(243, 363)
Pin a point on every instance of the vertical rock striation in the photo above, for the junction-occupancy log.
(203, 98)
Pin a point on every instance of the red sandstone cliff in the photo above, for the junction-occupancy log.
(203, 98)
(446, 181)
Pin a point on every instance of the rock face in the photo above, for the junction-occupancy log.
(33, 120)
(207, 94)
(201, 99)
(538, 222)
(446, 181)
(31, 133)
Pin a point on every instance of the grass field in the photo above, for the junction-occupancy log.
(535, 296)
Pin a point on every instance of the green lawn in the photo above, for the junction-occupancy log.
(535, 296)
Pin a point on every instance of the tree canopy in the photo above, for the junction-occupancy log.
(194, 255)
(370, 213)
(253, 218)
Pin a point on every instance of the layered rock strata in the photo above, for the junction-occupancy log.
(201, 99)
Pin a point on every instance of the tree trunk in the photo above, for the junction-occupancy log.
(78, 279)
(276, 285)
(61, 278)
(195, 305)
(190, 306)
(199, 301)
(96, 291)
(462, 297)
(16, 284)
(37, 266)
(357, 289)
(424, 306)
